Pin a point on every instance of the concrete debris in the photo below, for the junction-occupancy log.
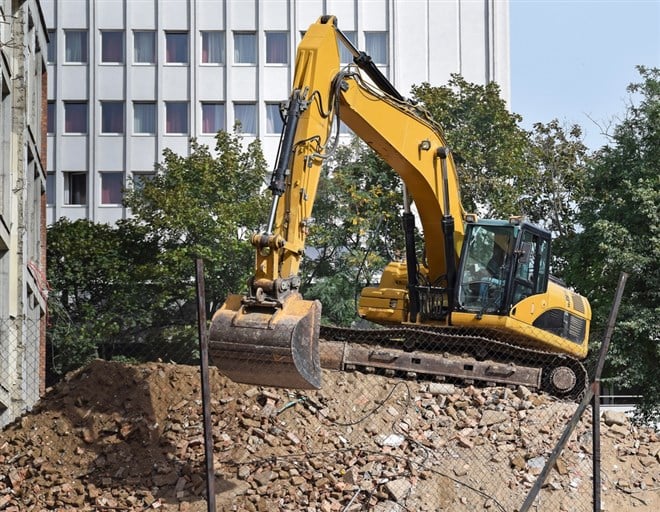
(357, 444)
(614, 418)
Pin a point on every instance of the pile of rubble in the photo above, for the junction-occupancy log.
(121, 437)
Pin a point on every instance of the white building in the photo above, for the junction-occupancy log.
(128, 78)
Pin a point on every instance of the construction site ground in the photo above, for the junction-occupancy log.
(113, 436)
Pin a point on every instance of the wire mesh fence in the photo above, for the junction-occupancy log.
(404, 420)
(379, 438)
(21, 366)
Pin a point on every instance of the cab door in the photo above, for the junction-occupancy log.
(532, 256)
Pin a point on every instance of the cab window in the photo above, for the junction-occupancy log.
(531, 275)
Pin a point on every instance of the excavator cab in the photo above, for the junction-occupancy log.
(485, 269)
(501, 264)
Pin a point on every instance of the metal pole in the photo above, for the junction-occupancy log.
(610, 325)
(590, 393)
(206, 392)
(556, 452)
(595, 406)
(595, 421)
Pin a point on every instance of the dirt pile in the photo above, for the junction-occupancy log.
(121, 437)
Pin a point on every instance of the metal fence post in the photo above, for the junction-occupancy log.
(206, 393)
(591, 393)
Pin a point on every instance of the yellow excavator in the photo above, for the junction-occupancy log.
(481, 306)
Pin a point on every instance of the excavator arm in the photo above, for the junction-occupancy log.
(402, 134)
(270, 336)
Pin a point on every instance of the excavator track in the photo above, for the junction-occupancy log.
(428, 353)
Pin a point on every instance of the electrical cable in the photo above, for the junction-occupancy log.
(375, 409)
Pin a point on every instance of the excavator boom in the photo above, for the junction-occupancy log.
(271, 335)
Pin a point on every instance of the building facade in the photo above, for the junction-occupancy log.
(130, 78)
(22, 206)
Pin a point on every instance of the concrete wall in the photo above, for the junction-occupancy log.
(22, 209)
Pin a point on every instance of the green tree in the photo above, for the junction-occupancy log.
(358, 229)
(559, 159)
(621, 232)
(94, 303)
(205, 206)
(130, 289)
(490, 149)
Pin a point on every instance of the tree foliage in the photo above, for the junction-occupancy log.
(558, 159)
(357, 231)
(203, 206)
(92, 269)
(621, 233)
(489, 147)
(549, 196)
(130, 288)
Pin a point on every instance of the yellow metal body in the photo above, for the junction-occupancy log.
(317, 63)
(410, 142)
(388, 304)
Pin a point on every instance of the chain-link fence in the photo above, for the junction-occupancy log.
(392, 434)
(21, 366)
(404, 420)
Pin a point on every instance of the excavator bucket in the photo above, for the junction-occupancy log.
(266, 345)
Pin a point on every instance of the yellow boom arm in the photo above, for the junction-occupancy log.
(400, 133)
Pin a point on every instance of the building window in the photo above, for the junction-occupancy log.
(245, 116)
(141, 178)
(112, 46)
(277, 47)
(213, 117)
(213, 47)
(345, 56)
(50, 115)
(50, 188)
(274, 123)
(75, 188)
(144, 46)
(376, 46)
(176, 47)
(76, 46)
(245, 48)
(112, 117)
(52, 47)
(144, 117)
(176, 117)
(75, 117)
(112, 185)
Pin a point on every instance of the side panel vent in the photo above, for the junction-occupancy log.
(578, 303)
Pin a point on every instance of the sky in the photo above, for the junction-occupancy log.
(573, 59)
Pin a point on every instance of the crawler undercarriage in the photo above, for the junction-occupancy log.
(423, 353)
(450, 354)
